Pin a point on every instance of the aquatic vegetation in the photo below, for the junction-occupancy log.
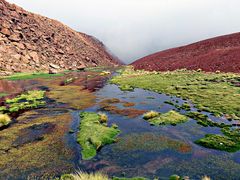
(150, 115)
(229, 141)
(219, 142)
(150, 142)
(216, 166)
(204, 120)
(175, 177)
(93, 134)
(4, 120)
(105, 73)
(110, 101)
(73, 96)
(28, 100)
(169, 102)
(126, 88)
(107, 105)
(171, 117)
(103, 118)
(185, 106)
(128, 104)
(26, 76)
(218, 94)
(25, 154)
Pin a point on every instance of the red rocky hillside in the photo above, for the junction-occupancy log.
(217, 54)
(30, 42)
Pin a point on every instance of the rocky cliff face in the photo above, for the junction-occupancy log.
(30, 42)
(216, 54)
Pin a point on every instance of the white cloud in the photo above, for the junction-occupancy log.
(135, 28)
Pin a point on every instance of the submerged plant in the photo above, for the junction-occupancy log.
(93, 134)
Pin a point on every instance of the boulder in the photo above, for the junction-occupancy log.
(52, 71)
(54, 66)
(5, 31)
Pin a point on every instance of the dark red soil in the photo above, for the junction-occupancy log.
(220, 53)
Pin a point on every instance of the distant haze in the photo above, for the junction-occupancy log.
(135, 28)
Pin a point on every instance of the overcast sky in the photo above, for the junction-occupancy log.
(134, 28)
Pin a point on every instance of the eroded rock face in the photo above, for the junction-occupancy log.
(30, 42)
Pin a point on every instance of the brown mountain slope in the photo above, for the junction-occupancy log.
(220, 53)
(30, 42)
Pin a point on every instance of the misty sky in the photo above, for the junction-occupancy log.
(134, 28)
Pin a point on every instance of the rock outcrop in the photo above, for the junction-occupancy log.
(30, 42)
(216, 54)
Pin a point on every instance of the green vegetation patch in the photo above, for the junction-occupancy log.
(229, 141)
(126, 87)
(3, 94)
(219, 142)
(204, 120)
(94, 134)
(28, 100)
(26, 76)
(208, 91)
(171, 117)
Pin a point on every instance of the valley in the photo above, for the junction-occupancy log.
(149, 130)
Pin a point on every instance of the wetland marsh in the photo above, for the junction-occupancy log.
(183, 122)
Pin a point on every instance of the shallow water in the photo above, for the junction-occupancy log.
(150, 151)
(141, 149)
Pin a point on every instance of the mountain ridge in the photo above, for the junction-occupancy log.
(220, 53)
(31, 42)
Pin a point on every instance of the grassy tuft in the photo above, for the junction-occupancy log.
(103, 118)
(4, 120)
(150, 115)
(84, 176)
(171, 117)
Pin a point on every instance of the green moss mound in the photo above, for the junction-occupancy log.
(28, 100)
(219, 142)
(171, 117)
(93, 134)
